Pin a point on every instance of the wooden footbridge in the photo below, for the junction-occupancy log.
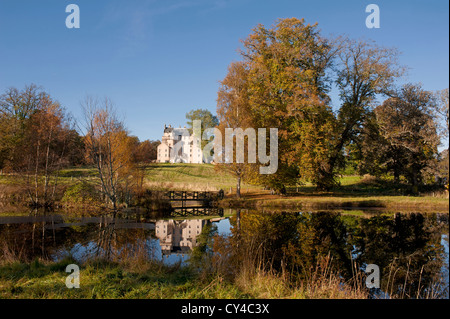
(185, 199)
(188, 199)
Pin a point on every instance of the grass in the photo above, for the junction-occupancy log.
(105, 280)
(139, 276)
(101, 279)
(264, 200)
(201, 177)
(353, 191)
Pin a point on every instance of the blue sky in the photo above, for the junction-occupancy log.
(157, 60)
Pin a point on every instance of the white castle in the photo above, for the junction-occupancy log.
(179, 146)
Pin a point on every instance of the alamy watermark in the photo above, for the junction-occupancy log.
(73, 280)
(221, 148)
(73, 19)
(373, 276)
(373, 19)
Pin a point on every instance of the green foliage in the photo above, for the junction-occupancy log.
(208, 119)
(201, 254)
(401, 136)
(81, 194)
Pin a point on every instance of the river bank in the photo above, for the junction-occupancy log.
(75, 192)
(400, 203)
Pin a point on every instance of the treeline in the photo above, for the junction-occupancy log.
(284, 80)
(38, 139)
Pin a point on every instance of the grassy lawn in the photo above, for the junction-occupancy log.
(201, 177)
(353, 191)
(425, 203)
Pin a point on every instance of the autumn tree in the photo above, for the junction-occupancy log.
(403, 137)
(145, 151)
(49, 137)
(283, 84)
(233, 112)
(109, 148)
(363, 72)
(40, 140)
(16, 107)
(443, 166)
(6, 140)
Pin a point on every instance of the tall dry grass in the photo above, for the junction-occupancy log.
(251, 268)
(325, 282)
(412, 288)
(321, 283)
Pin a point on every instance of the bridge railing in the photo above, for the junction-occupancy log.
(193, 195)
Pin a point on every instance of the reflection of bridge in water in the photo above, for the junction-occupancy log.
(184, 199)
(196, 211)
(180, 236)
(177, 234)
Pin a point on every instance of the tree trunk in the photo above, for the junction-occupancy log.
(36, 183)
(415, 182)
(46, 173)
(238, 187)
(396, 177)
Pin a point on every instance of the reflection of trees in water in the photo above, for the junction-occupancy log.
(50, 237)
(39, 239)
(115, 243)
(289, 242)
(406, 247)
(408, 250)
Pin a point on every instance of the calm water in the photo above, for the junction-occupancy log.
(407, 247)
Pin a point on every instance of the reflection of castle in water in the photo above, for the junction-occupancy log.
(178, 236)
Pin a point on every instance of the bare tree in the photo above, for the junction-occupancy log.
(108, 147)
